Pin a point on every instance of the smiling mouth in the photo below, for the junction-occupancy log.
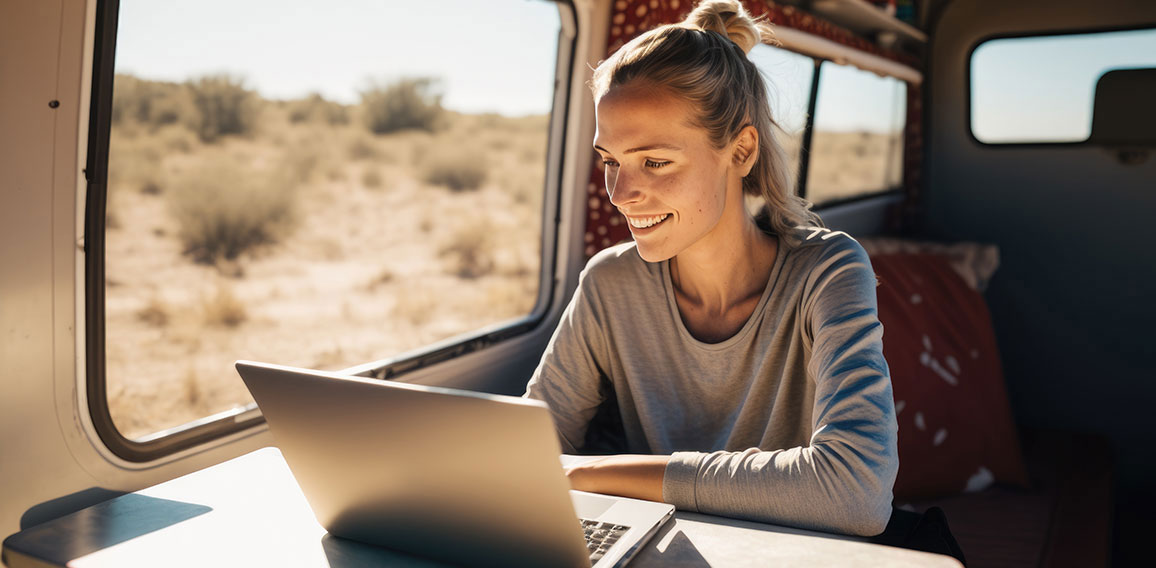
(645, 222)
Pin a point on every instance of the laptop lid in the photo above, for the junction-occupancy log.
(462, 476)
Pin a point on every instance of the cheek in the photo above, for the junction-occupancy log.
(710, 195)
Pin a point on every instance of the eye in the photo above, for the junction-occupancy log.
(654, 164)
(609, 163)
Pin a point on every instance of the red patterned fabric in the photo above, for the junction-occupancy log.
(629, 18)
(956, 431)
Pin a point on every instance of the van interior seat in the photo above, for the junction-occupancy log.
(1041, 497)
(1064, 517)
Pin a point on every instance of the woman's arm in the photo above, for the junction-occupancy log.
(568, 378)
(628, 475)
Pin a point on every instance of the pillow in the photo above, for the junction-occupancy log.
(974, 262)
(956, 431)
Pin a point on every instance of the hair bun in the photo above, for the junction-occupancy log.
(730, 19)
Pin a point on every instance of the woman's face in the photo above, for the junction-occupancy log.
(662, 172)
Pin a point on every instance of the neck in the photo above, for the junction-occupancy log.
(725, 268)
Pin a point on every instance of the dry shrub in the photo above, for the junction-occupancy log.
(371, 178)
(223, 309)
(526, 190)
(362, 148)
(533, 152)
(458, 170)
(224, 106)
(316, 109)
(152, 103)
(135, 165)
(410, 103)
(194, 397)
(177, 138)
(154, 313)
(222, 210)
(146, 175)
(335, 172)
(384, 277)
(469, 250)
(302, 158)
(419, 146)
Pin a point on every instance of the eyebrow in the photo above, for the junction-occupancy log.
(643, 148)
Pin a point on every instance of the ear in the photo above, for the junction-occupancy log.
(746, 150)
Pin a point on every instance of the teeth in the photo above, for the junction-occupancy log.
(644, 222)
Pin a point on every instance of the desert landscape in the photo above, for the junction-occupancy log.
(299, 235)
(316, 234)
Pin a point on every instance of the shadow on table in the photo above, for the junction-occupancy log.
(345, 553)
(101, 526)
(672, 547)
(68, 504)
(679, 551)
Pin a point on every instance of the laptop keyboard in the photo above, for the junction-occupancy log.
(600, 537)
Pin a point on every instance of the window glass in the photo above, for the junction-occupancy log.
(318, 187)
(788, 77)
(857, 144)
(1040, 89)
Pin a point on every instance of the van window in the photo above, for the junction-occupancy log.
(1039, 89)
(317, 188)
(788, 76)
(857, 143)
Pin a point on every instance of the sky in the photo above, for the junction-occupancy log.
(850, 99)
(497, 59)
(1041, 89)
(499, 56)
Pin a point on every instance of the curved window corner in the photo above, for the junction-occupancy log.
(1040, 89)
(306, 190)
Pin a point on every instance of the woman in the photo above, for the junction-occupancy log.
(743, 356)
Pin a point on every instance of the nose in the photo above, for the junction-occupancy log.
(621, 188)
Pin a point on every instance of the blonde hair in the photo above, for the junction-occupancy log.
(704, 60)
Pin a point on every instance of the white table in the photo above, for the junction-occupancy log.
(249, 511)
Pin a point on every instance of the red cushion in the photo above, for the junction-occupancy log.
(956, 430)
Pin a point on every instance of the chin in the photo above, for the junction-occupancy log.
(652, 253)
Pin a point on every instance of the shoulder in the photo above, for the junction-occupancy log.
(820, 245)
(822, 255)
(617, 263)
(616, 280)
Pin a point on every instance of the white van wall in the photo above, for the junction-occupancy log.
(51, 461)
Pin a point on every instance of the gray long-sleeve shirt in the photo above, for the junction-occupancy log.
(790, 421)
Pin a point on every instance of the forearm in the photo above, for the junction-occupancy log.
(808, 487)
(631, 475)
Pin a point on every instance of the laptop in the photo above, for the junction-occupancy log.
(454, 475)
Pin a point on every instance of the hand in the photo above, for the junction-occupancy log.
(628, 475)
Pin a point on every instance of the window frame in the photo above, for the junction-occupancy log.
(213, 427)
(808, 130)
(967, 81)
(804, 163)
(804, 168)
